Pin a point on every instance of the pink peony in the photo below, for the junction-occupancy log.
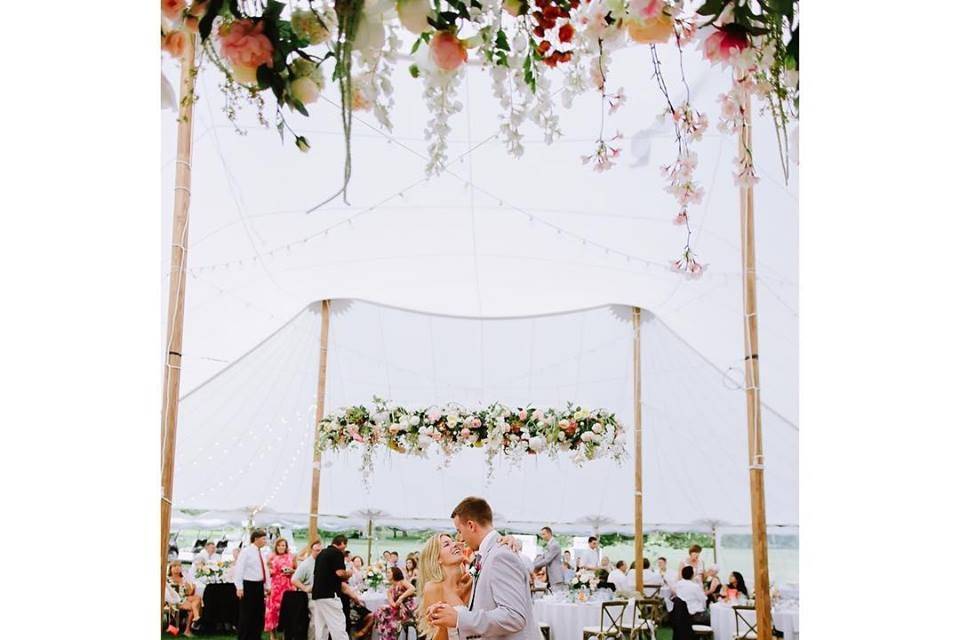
(646, 8)
(448, 51)
(175, 43)
(172, 9)
(244, 44)
(724, 44)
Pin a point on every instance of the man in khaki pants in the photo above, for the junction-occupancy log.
(326, 608)
(303, 580)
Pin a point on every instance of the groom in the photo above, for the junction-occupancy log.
(500, 605)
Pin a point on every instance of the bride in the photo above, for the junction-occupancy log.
(442, 579)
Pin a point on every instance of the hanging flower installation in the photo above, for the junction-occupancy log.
(291, 51)
(495, 429)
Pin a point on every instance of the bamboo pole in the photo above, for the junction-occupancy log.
(178, 285)
(312, 531)
(637, 459)
(752, 383)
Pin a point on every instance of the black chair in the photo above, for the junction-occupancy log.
(294, 620)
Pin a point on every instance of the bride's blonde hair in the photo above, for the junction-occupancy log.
(430, 571)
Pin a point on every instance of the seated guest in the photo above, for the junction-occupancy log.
(605, 563)
(394, 559)
(735, 589)
(619, 577)
(411, 570)
(632, 574)
(662, 567)
(231, 563)
(401, 605)
(187, 598)
(652, 580)
(207, 554)
(359, 576)
(603, 580)
(691, 592)
(358, 616)
(711, 583)
(694, 560)
(568, 569)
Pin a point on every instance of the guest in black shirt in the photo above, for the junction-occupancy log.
(329, 571)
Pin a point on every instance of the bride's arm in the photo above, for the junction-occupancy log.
(432, 594)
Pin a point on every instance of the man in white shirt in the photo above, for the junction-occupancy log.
(252, 581)
(652, 580)
(589, 558)
(303, 580)
(691, 592)
(619, 577)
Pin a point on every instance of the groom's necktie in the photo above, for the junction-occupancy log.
(473, 592)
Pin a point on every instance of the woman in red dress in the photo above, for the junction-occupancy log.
(281, 564)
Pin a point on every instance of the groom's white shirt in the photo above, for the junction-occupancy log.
(501, 602)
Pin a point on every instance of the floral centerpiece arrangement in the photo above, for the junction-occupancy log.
(293, 52)
(496, 429)
(211, 572)
(582, 584)
(375, 578)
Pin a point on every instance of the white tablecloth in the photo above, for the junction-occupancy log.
(723, 621)
(373, 600)
(567, 619)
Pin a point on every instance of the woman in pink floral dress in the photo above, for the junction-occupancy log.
(281, 565)
(401, 605)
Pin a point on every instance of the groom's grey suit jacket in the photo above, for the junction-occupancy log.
(500, 605)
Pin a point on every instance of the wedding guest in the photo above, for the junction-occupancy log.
(186, 598)
(358, 616)
(589, 558)
(605, 563)
(632, 574)
(387, 556)
(359, 575)
(394, 559)
(568, 569)
(252, 582)
(281, 565)
(691, 592)
(551, 559)
(303, 580)
(619, 576)
(231, 564)
(651, 577)
(711, 583)
(326, 609)
(693, 560)
(206, 555)
(400, 606)
(662, 567)
(736, 588)
(411, 570)
(603, 581)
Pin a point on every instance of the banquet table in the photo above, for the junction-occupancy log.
(567, 619)
(373, 600)
(786, 618)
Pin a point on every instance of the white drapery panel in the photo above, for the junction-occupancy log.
(245, 436)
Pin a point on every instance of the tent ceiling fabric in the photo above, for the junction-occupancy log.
(245, 435)
(493, 237)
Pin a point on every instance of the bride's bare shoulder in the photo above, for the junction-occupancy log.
(432, 591)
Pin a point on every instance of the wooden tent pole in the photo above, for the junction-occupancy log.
(637, 459)
(177, 291)
(312, 531)
(369, 540)
(752, 383)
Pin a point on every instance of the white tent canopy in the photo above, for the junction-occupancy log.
(507, 269)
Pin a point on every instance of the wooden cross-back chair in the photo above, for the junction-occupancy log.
(742, 621)
(611, 621)
(643, 619)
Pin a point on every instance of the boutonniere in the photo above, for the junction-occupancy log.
(474, 569)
